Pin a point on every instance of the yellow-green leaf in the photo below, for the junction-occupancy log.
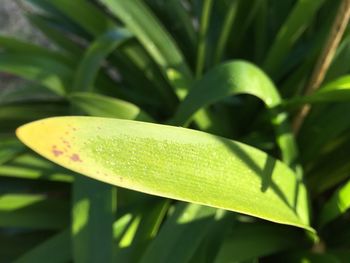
(173, 162)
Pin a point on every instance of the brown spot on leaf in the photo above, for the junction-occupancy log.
(75, 158)
(56, 152)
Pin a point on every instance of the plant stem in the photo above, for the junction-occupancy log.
(335, 35)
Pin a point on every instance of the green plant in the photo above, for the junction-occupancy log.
(178, 63)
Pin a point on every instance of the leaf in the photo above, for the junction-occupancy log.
(231, 78)
(181, 234)
(15, 114)
(30, 166)
(56, 248)
(9, 148)
(202, 36)
(143, 228)
(94, 56)
(254, 240)
(81, 12)
(337, 205)
(235, 78)
(155, 39)
(322, 126)
(307, 257)
(55, 34)
(173, 162)
(229, 19)
(32, 211)
(28, 92)
(20, 47)
(178, 20)
(94, 207)
(335, 91)
(44, 70)
(330, 159)
(295, 24)
(103, 106)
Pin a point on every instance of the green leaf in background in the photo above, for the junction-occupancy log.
(33, 211)
(337, 205)
(9, 148)
(173, 162)
(103, 106)
(142, 230)
(44, 70)
(56, 248)
(335, 91)
(81, 12)
(297, 21)
(94, 208)
(156, 40)
(181, 235)
(94, 56)
(254, 240)
(235, 78)
(20, 47)
(55, 34)
(231, 78)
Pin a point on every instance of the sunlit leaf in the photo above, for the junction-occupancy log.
(173, 162)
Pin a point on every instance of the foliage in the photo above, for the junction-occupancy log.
(235, 69)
